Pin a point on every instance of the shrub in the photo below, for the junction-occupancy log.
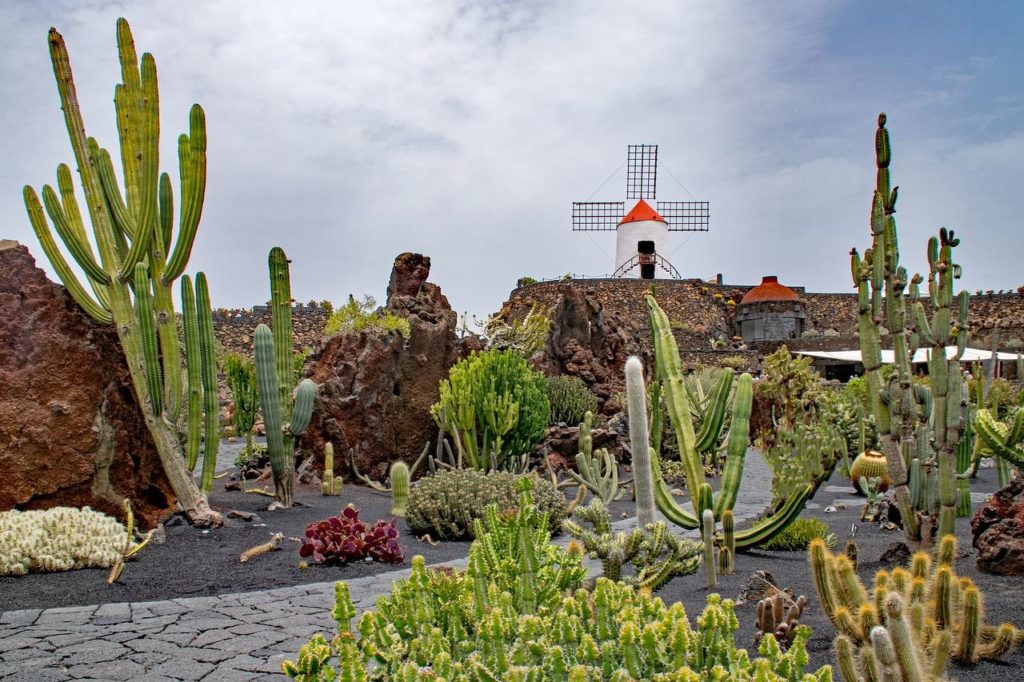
(340, 539)
(525, 337)
(356, 316)
(570, 400)
(518, 613)
(525, 281)
(59, 539)
(495, 408)
(798, 536)
(446, 504)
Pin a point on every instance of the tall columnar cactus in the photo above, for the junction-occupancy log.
(636, 396)
(131, 229)
(287, 408)
(909, 418)
(211, 397)
(669, 374)
(331, 484)
(399, 488)
(707, 535)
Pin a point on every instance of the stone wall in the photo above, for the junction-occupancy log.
(234, 328)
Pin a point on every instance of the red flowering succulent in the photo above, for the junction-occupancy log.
(340, 539)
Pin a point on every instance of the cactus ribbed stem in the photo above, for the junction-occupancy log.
(211, 398)
(707, 533)
(643, 484)
(399, 488)
(193, 366)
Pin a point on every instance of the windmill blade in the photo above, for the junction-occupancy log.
(641, 171)
(685, 216)
(596, 216)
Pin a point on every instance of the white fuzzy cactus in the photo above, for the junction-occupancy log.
(59, 539)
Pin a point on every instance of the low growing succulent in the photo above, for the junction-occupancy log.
(446, 504)
(340, 539)
(799, 535)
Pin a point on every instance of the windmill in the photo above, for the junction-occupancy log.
(642, 242)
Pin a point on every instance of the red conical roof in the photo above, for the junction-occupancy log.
(642, 211)
(769, 290)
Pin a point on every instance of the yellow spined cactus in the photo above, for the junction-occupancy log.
(59, 539)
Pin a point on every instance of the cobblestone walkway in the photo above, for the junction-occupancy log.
(230, 637)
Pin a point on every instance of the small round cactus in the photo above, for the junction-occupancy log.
(869, 464)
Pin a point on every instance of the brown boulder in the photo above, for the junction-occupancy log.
(376, 389)
(71, 433)
(998, 529)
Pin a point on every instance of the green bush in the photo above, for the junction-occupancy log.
(570, 400)
(494, 408)
(446, 504)
(356, 316)
(798, 536)
(518, 613)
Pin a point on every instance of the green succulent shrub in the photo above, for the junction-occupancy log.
(570, 400)
(495, 409)
(525, 337)
(519, 613)
(798, 536)
(356, 316)
(446, 504)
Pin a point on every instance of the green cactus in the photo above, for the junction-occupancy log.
(211, 398)
(240, 373)
(598, 471)
(945, 611)
(729, 537)
(287, 408)
(912, 421)
(707, 534)
(1007, 443)
(638, 439)
(138, 254)
(331, 484)
(399, 488)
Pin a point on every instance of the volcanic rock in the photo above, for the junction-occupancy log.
(376, 388)
(998, 528)
(71, 432)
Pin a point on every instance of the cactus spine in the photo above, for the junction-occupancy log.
(331, 484)
(130, 230)
(636, 396)
(399, 488)
(707, 534)
(287, 408)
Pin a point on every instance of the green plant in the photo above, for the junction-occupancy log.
(240, 373)
(779, 615)
(524, 337)
(399, 487)
(331, 484)
(518, 614)
(643, 453)
(940, 604)
(445, 504)
(914, 423)
(798, 536)
(140, 256)
(598, 471)
(1006, 442)
(707, 535)
(355, 316)
(287, 408)
(495, 409)
(525, 281)
(801, 454)
(655, 554)
(570, 399)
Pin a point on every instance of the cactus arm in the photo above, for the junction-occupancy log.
(80, 251)
(768, 528)
(193, 367)
(208, 364)
(147, 333)
(738, 440)
(305, 392)
(667, 504)
(118, 209)
(281, 310)
(192, 171)
(67, 276)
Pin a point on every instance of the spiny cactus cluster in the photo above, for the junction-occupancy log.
(331, 484)
(570, 399)
(59, 539)
(598, 471)
(287, 408)
(518, 614)
(655, 554)
(779, 615)
(945, 613)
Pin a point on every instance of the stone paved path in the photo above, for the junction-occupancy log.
(229, 637)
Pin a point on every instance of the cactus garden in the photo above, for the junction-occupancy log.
(608, 479)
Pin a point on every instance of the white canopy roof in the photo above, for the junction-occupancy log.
(921, 355)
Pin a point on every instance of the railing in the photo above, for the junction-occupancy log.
(647, 259)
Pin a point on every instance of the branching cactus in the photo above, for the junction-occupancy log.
(910, 418)
(669, 374)
(287, 408)
(598, 470)
(140, 253)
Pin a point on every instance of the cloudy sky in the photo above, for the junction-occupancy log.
(348, 132)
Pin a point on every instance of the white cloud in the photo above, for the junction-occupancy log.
(349, 132)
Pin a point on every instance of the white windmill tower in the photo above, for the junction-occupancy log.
(642, 235)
